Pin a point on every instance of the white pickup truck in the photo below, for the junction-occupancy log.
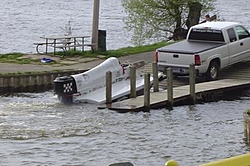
(210, 46)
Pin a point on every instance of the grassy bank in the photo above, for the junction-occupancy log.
(20, 58)
(16, 58)
(135, 50)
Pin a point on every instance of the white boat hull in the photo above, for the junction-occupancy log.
(90, 86)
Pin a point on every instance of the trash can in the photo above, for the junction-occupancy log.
(102, 40)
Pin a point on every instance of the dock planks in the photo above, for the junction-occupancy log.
(230, 79)
(181, 93)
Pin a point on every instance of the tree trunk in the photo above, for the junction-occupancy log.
(179, 34)
(193, 19)
(194, 14)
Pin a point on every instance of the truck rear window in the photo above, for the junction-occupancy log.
(206, 35)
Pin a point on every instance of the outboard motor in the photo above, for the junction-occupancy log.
(65, 88)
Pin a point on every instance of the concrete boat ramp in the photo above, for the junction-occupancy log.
(206, 91)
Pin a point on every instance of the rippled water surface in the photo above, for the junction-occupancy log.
(36, 130)
(22, 22)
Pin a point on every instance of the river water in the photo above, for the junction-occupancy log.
(23, 22)
(37, 130)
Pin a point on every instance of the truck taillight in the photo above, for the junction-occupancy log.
(156, 56)
(197, 60)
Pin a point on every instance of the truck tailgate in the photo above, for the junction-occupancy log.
(181, 54)
(175, 59)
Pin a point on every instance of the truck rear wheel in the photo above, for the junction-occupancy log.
(212, 71)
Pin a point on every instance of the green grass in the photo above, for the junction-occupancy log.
(134, 50)
(72, 53)
(17, 57)
(9, 57)
(248, 111)
(116, 53)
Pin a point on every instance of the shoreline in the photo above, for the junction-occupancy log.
(71, 63)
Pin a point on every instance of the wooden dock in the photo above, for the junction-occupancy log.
(231, 80)
(204, 91)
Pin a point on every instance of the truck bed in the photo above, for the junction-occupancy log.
(190, 47)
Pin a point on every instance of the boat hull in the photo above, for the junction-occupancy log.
(90, 86)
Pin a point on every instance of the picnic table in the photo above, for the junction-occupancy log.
(63, 42)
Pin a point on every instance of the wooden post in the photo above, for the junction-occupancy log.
(95, 24)
(246, 121)
(245, 126)
(192, 82)
(109, 87)
(170, 86)
(132, 82)
(147, 91)
(155, 77)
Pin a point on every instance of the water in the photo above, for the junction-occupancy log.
(22, 22)
(36, 130)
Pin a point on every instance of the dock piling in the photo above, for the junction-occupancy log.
(192, 82)
(132, 82)
(147, 91)
(109, 87)
(170, 86)
(155, 77)
(246, 121)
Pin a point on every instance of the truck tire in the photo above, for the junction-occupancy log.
(212, 71)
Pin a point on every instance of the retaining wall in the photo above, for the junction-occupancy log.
(37, 82)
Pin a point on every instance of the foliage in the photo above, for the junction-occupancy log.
(157, 18)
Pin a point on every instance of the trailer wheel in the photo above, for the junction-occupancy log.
(212, 71)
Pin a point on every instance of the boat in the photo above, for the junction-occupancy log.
(90, 86)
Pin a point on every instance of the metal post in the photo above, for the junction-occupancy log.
(170, 86)
(147, 91)
(192, 82)
(82, 44)
(132, 82)
(74, 44)
(155, 77)
(46, 48)
(109, 87)
(54, 46)
(95, 25)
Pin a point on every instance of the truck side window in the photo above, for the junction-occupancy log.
(241, 32)
(231, 35)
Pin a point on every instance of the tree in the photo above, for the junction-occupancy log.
(163, 18)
